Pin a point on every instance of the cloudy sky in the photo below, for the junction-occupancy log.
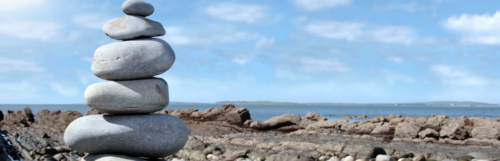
(347, 51)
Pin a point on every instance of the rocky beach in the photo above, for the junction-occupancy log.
(229, 133)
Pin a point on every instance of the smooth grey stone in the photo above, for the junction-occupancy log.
(128, 97)
(109, 157)
(150, 136)
(132, 27)
(137, 7)
(133, 59)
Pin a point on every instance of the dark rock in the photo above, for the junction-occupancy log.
(23, 118)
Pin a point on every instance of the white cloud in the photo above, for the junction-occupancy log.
(19, 90)
(458, 76)
(314, 5)
(335, 29)
(31, 30)
(395, 59)
(393, 34)
(14, 65)
(17, 5)
(87, 78)
(264, 42)
(238, 12)
(476, 29)
(176, 35)
(91, 20)
(352, 31)
(409, 7)
(393, 77)
(295, 67)
(66, 89)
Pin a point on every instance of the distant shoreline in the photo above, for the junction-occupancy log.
(437, 103)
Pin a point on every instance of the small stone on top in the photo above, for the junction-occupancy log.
(137, 7)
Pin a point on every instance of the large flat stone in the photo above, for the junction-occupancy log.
(128, 97)
(137, 7)
(133, 59)
(151, 136)
(132, 27)
(109, 157)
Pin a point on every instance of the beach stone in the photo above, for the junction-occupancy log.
(109, 157)
(137, 7)
(406, 130)
(479, 155)
(384, 158)
(128, 97)
(453, 131)
(419, 158)
(133, 59)
(428, 133)
(150, 136)
(349, 158)
(485, 133)
(132, 27)
(334, 158)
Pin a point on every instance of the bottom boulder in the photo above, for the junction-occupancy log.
(150, 136)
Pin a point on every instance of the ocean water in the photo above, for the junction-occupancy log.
(265, 112)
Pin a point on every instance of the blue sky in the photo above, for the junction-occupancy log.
(346, 51)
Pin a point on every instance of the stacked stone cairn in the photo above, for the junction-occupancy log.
(128, 130)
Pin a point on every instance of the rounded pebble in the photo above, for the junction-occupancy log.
(132, 27)
(137, 7)
(133, 59)
(150, 136)
(128, 97)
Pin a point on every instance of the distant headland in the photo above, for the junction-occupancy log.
(434, 103)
